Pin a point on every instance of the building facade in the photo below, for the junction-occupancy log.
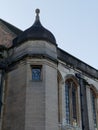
(42, 86)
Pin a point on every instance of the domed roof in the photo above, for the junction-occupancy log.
(36, 32)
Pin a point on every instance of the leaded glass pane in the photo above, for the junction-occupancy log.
(74, 103)
(36, 73)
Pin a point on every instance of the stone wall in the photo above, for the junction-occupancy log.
(6, 36)
(14, 105)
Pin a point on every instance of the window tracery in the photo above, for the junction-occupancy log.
(71, 106)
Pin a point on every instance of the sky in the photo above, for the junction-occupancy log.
(74, 23)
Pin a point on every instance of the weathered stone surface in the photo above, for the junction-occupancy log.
(76, 63)
(14, 108)
(6, 36)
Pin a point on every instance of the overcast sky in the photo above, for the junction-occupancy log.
(74, 23)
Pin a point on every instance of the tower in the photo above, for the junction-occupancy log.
(31, 101)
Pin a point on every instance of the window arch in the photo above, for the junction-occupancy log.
(71, 101)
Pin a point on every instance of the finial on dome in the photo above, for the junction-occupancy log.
(37, 11)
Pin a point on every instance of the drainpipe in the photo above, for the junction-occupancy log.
(83, 101)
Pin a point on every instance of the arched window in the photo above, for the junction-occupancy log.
(71, 102)
(93, 104)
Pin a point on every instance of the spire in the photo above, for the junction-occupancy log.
(37, 11)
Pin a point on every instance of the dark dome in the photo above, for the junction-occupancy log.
(36, 32)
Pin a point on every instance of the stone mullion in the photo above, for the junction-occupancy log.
(60, 86)
(89, 102)
(63, 108)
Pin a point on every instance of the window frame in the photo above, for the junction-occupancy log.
(72, 121)
(36, 67)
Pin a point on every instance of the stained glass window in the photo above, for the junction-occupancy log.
(36, 73)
